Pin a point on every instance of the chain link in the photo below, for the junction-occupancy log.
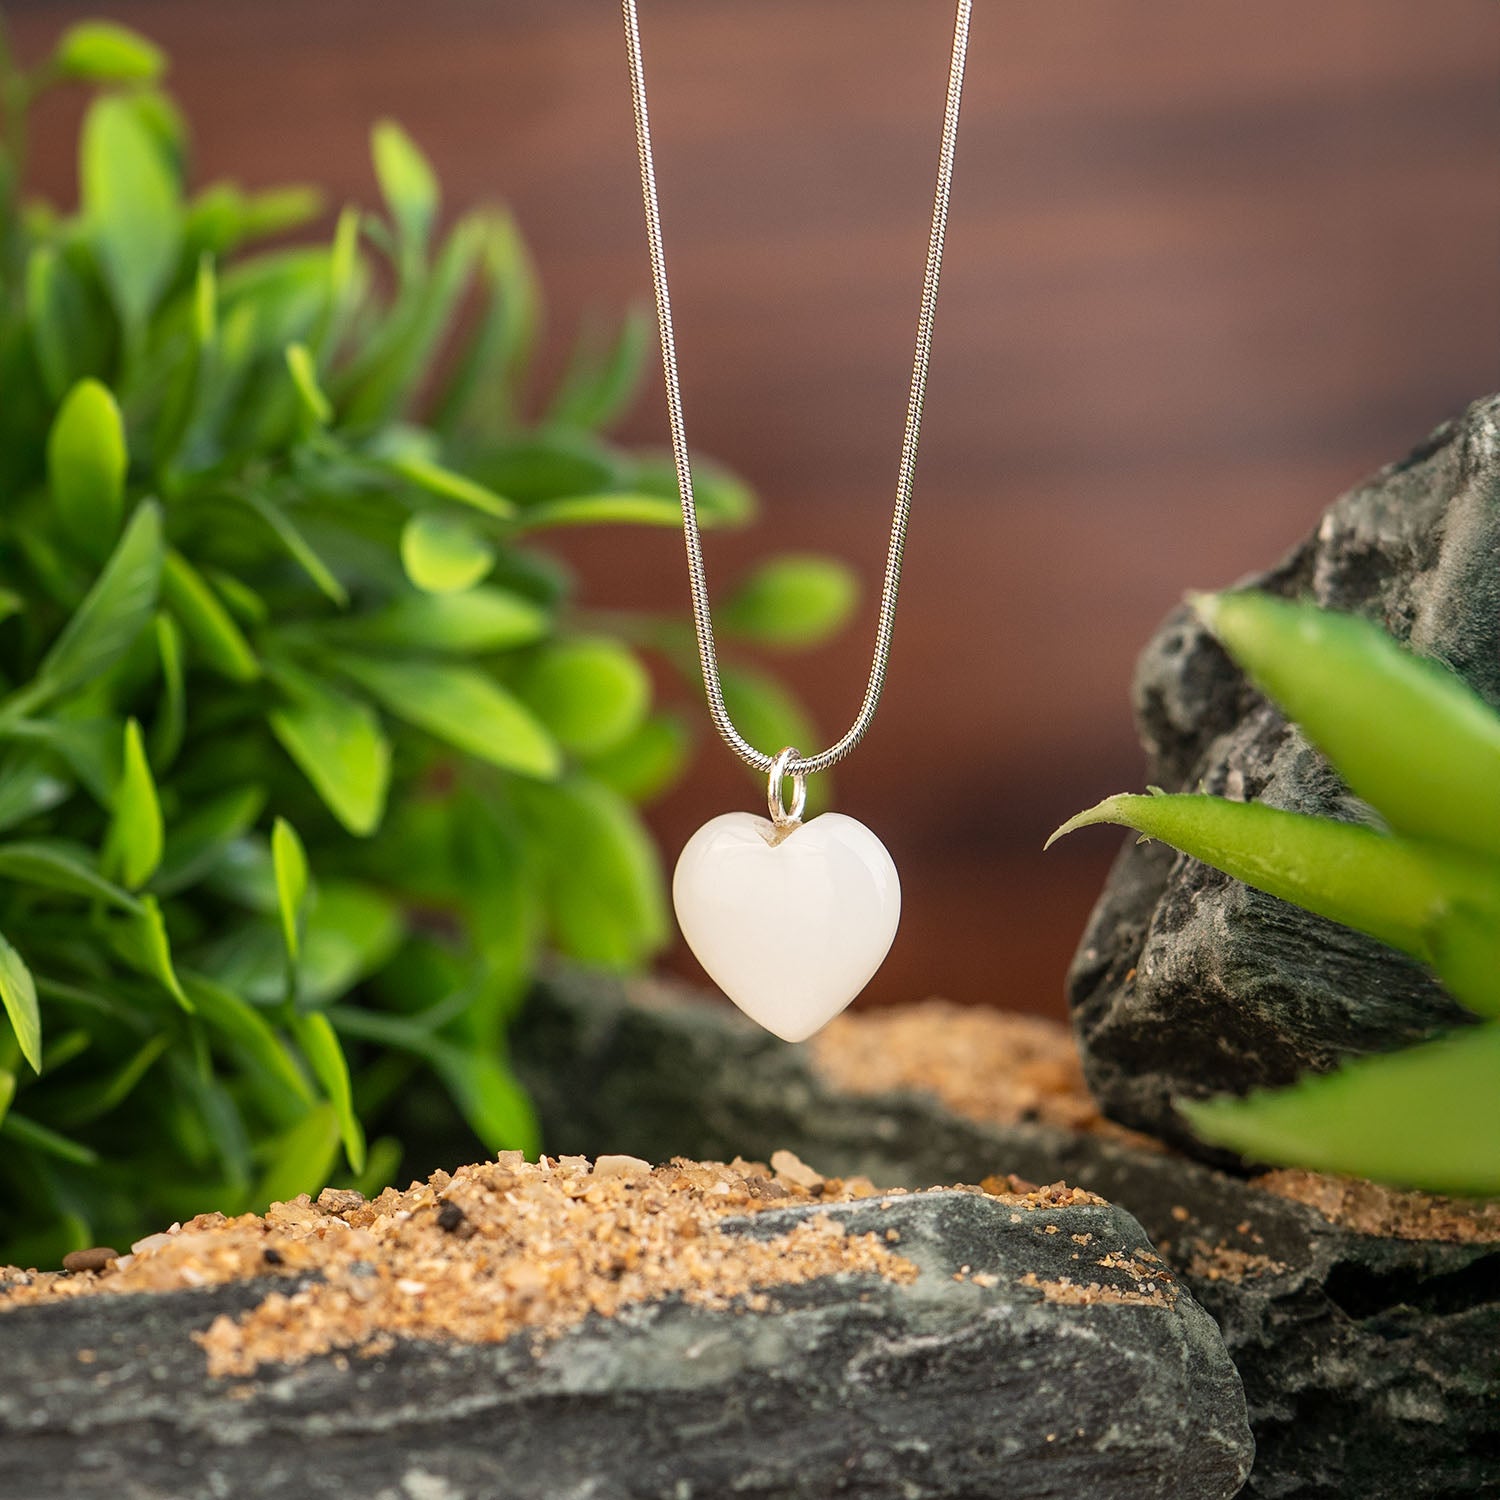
(702, 618)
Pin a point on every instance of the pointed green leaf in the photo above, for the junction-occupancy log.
(206, 622)
(18, 995)
(106, 52)
(296, 545)
(49, 1142)
(290, 862)
(54, 869)
(304, 373)
(301, 1160)
(144, 944)
(134, 845)
(1425, 1117)
(624, 509)
(112, 615)
(338, 743)
(791, 601)
(603, 375)
(320, 1046)
(444, 555)
(88, 1102)
(448, 484)
(590, 692)
(196, 842)
(86, 463)
(479, 620)
(244, 1026)
(68, 319)
(1407, 734)
(489, 1097)
(406, 181)
(461, 706)
(1401, 891)
(131, 203)
(171, 717)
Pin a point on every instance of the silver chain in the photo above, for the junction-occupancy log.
(698, 581)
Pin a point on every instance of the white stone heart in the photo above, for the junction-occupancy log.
(789, 926)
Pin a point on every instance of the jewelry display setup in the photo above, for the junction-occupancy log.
(791, 919)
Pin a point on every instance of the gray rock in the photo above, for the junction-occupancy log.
(1369, 1364)
(849, 1386)
(1189, 983)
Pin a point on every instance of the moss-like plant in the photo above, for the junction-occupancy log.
(1423, 750)
(304, 747)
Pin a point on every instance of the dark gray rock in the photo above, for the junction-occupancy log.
(847, 1386)
(1189, 983)
(1370, 1365)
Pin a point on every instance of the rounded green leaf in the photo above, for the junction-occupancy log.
(443, 555)
(106, 52)
(86, 464)
(591, 693)
(478, 620)
(791, 601)
(644, 766)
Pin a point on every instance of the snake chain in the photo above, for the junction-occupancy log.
(702, 618)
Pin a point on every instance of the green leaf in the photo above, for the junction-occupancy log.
(320, 1046)
(350, 931)
(69, 323)
(18, 995)
(488, 1096)
(7, 1091)
(143, 944)
(88, 1102)
(37, 864)
(624, 509)
(603, 375)
(1407, 734)
(407, 183)
(105, 52)
(642, 767)
(461, 706)
(131, 204)
(448, 484)
(1425, 1117)
(444, 555)
(296, 545)
(304, 373)
(39, 1138)
(112, 615)
(206, 622)
(791, 602)
(590, 692)
(245, 1027)
(29, 785)
(171, 717)
(1401, 891)
(301, 1160)
(134, 844)
(197, 841)
(605, 895)
(479, 620)
(290, 862)
(338, 744)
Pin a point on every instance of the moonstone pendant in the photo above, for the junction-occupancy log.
(790, 919)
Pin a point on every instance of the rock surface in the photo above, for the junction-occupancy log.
(1187, 982)
(983, 1376)
(1369, 1363)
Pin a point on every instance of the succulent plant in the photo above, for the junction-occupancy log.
(305, 747)
(1422, 750)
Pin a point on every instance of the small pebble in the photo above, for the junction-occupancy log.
(450, 1217)
(340, 1200)
(273, 1257)
(96, 1259)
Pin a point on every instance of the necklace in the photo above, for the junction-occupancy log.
(791, 920)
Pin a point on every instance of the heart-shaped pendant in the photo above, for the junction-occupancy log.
(791, 921)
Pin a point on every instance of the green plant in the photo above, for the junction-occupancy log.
(1416, 743)
(305, 749)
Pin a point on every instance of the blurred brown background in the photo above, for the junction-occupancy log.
(1209, 264)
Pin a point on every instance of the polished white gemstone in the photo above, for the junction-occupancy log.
(789, 925)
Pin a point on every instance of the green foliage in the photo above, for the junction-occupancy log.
(306, 747)
(1423, 749)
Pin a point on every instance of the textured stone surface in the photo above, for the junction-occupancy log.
(1187, 982)
(857, 1386)
(1370, 1365)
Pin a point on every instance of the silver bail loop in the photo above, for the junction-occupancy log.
(783, 817)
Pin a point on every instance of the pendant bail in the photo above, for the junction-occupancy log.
(783, 817)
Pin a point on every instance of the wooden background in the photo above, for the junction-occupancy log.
(1209, 264)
